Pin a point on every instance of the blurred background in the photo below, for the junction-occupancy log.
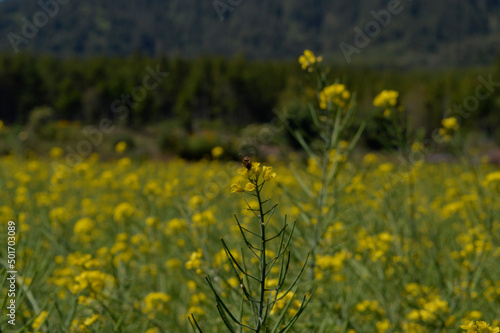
(66, 66)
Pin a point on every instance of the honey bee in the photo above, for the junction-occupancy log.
(247, 163)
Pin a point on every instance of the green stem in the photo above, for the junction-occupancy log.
(321, 203)
(411, 188)
(263, 267)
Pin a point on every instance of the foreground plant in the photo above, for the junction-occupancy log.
(264, 292)
(479, 326)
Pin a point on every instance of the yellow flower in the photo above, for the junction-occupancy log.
(1, 125)
(195, 202)
(123, 212)
(249, 187)
(90, 320)
(155, 302)
(37, 323)
(383, 326)
(386, 98)
(84, 226)
(175, 225)
(243, 172)
(85, 230)
(121, 147)
(450, 123)
(282, 300)
(482, 325)
(370, 158)
(417, 146)
(255, 170)
(152, 221)
(474, 314)
(308, 59)
(194, 261)
(236, 188)
(196, 310)
(92, 281)
(268, 173)
(336, 94)
(56, 152)
(492, 177)
(469, 325)
(217, 152)
(173, 264)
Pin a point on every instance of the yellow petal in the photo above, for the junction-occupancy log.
(236, 188)
(243, 172)
(249, 187)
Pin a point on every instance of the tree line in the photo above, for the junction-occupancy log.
(140, 90)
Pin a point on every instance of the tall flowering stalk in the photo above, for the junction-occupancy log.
(400, 137)
(332, 118)
(262, 300)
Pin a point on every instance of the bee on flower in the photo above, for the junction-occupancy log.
(252, 171)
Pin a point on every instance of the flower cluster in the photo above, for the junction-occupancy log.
(308, 60)
(85, 230)
(90, 285)
(252, 171)
(479, 327)
(286, 300)
(38, 322)
(121, 147)
(331, 264)
(429, 305)
(194, 261)
(387, 99)
(82, 325)
(155, 303)
(492, 180)
(450, 125)
(376, 246)
(336, 94)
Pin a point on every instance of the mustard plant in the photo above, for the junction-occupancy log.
(264, 290)
(331, 116)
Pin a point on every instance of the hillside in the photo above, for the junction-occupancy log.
(420, 33)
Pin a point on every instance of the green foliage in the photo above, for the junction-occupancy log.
(425, 32)
(235, 92)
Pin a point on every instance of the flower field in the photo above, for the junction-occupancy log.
(125, 246)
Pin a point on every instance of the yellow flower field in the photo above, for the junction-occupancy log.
(124, 246)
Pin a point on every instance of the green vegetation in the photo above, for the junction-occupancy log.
(423, 33)
(201, 103)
